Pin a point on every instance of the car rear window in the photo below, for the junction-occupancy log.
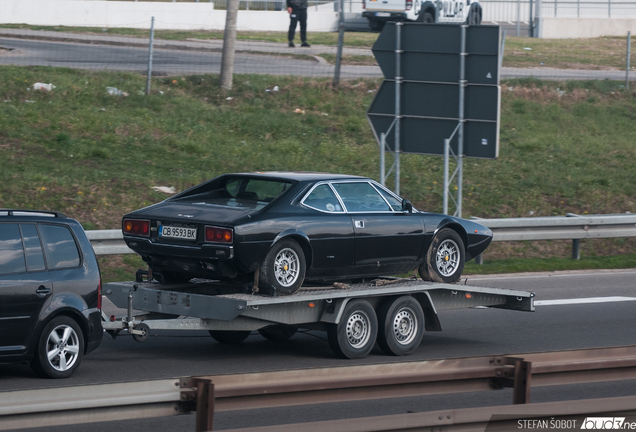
(60, 247)
(11, 250)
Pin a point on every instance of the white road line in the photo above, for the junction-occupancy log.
(583, 301)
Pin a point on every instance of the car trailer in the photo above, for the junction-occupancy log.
(395, 312)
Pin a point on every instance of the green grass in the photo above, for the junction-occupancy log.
(565, 147)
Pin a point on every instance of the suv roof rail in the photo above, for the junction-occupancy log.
(10, 212)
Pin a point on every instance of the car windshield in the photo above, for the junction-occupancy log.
(247, 192)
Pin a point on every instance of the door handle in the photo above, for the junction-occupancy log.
(359, 224)
(42, 291)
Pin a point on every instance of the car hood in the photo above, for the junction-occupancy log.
(195, 213)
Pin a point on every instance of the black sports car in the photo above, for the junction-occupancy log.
(282, 228)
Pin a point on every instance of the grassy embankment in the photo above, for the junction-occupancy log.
(96, 157)
(603, 53)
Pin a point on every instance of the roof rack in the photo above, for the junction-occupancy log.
(11, 212)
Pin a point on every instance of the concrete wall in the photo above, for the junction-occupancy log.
(173, 16)
(574, 28)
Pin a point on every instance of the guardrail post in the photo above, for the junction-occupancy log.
(479, 259)
(576, 249)
(520, 381)
(205, 405)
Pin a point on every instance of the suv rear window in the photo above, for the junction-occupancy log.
(11, 250)
(60, 247)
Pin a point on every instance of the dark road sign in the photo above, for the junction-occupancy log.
(430, 88)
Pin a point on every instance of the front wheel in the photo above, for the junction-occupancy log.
(284, 267)
(60, 349)
(445, 258)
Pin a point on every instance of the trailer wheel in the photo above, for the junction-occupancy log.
(229, 337)
(354, 336)
(284, 267)
(278, 332)
(444, 261)
(59, 350)
(402, 321)
(145, 332)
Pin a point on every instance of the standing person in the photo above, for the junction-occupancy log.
(297, 12)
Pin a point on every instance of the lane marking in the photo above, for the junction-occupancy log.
(583, 300)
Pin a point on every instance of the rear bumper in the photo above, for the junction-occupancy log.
(384, 16)
(203, 252)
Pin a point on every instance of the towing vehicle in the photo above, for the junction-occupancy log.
(379, 12)
(393, 312)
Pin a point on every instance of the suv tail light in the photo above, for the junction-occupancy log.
(409, 4)
(218, 235)
(137, 227)
(364, 5)
(99, 294)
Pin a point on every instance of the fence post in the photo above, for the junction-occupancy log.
(518, 18)
(578, 8)
(556, 6)
(609, 8)
(629, 53)
(538, 18)
(336, 75)
(531, 20)
(152, 38)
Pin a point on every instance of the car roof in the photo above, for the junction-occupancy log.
(302, 175)
(30, 213)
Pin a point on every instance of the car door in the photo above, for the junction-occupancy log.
(25, 286)
(386, 239)
(330, 231)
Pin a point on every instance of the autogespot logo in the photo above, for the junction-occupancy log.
(606, 423)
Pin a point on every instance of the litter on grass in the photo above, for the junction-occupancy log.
(43, 86)
(114, 91)
(165, 189)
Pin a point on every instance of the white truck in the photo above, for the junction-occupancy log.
(378, 12)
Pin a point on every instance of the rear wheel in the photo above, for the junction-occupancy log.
(354, 336)
(444, 259)
(60, 349)
(278, 332)
(402, 321)
(284, 267)
(229, 337)
(426, 18)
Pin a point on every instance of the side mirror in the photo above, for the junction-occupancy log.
(407, 207)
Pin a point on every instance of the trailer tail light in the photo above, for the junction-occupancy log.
(218, 235)
(137, 227)
(99, 294)
(409, 4)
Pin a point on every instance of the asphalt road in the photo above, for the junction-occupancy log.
(181, 57)
(607, 320)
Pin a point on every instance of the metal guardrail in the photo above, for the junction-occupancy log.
(570, 227)
(209, 394)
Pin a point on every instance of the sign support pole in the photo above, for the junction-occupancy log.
(382, 156)
(398, 113)
(446, 160)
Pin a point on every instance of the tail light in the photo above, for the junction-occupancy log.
(99, 294)
(409, 4)
(137, 227)
(218, 235)
(364, 4)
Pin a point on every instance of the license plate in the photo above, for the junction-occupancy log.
(178, 232)
(382, 14)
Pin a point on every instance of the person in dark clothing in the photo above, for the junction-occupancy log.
(297, 13)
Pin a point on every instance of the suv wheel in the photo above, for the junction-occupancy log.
(60, 349)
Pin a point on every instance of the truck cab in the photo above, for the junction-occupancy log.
(378, 12)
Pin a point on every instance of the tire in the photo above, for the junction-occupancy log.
(146, 333)
(402, 321)
(164, 277)
(60, 349)
(355, 335)
(426, 18)
(229, 337)
(474, 17)
(445, 258)
(376, 25)
(284, 267)
(278, 332)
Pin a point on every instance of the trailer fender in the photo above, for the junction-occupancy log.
(430, 314)
(333, 310)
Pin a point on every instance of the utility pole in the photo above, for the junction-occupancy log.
(229, 40)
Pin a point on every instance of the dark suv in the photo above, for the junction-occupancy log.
(50, 292)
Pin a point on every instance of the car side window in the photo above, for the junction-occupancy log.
(323, 198)
(11, 250)
(32, 248)
(395, 204)
(61, 250)
(361, 197)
